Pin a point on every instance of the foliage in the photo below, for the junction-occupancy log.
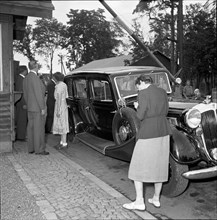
(136, 50)
(200, 44)
(48, 36)
(90, 37)
(161, 34)
(212, 5)
(26, 46)
(163, 25)
(44, 39)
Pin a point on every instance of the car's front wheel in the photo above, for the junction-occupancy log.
(125, 125)
(176, 183)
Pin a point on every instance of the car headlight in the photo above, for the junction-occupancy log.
(214, 153)
(193, 118)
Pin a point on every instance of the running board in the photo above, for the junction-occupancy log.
(95, 142)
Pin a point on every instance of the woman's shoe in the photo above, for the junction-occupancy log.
(134, 206)
(64, 145)
(58, 145)
(154, 203)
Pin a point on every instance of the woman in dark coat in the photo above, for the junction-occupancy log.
(150, 159)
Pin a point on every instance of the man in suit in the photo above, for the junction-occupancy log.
(21, 112)
(50, 105)
(34, 95)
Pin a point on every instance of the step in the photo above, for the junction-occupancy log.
(95, 142)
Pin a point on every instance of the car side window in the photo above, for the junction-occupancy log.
(69, 86)
(80, 88)
(101, 90)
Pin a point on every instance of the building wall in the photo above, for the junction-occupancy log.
(6, 93)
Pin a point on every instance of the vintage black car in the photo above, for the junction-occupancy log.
(102, 115)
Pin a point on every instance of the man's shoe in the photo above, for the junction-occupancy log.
(31, 152)
(43, 153)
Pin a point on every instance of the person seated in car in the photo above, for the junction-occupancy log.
(197, 95)
(127, 84)
(188, 90)
(178, 89)
(162, 83)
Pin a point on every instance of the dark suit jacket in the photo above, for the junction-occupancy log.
(33, 93)
(152, 111)
(19, 87)
(50, 97)
(21, 112)
(50, 105)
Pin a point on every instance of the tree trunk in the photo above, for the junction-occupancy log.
(172, 39)
(51, 64)
(180, 33)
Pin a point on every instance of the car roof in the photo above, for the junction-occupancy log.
(118, 70)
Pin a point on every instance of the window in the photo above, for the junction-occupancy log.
(126, 85)
(101, 90)
(80, 88)
(69, 86)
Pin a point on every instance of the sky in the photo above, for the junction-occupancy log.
(123, 8)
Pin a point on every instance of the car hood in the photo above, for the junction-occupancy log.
(182, 105)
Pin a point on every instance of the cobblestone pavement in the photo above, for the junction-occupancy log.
(58, 188)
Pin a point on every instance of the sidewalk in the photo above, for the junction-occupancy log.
(53, 187)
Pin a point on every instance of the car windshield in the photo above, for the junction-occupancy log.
(126, 84)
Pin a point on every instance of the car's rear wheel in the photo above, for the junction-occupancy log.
(176, 183)
(125, 125)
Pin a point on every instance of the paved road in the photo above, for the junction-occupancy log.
(198, 202)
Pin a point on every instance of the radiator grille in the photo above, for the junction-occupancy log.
(209, 126)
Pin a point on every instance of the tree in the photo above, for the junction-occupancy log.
(163, 26)
(90, 37)
(212, 5)
(200, 45)
(48, 36)
(136, 50)
(26, 46)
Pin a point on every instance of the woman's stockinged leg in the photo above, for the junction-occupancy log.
(157, 191)
(156, 198)
(139, 192)
(63, 136)
(139, 202)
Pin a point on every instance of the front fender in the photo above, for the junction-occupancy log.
(183, 147)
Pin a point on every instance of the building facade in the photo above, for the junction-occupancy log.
(13, 17)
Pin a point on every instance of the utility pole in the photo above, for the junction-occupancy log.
(62, 65)
(180, 33)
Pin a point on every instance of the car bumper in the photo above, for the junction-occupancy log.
(201, 173)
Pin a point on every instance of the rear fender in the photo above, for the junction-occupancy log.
(183, 147)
